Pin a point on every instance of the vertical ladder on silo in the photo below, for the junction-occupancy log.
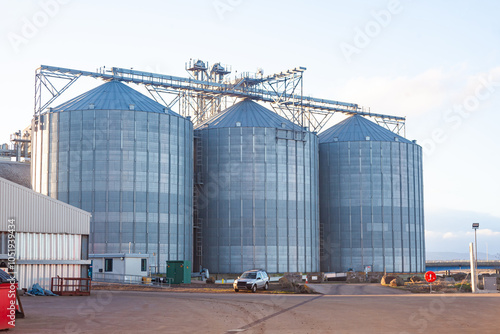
(197, 232)
(199, 241)
(198, 161)
(321, 241)
(198, 183)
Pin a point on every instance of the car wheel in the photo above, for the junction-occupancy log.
(254, 288)
(236, 290)
(266, 287)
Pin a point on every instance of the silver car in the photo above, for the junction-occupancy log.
(252, 280)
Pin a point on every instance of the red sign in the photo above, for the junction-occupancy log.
(430, 276)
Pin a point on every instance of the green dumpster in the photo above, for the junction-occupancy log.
(179, 271)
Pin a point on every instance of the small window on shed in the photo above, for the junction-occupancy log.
(144, 265)
(108, 265)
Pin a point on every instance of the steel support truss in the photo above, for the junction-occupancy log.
(201, 99)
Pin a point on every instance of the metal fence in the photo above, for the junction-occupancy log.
(131, 279)
(70, 286)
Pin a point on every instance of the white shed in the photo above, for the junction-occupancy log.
(122, 267)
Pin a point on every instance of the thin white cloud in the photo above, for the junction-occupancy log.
(402, 95)
(442, 235)
(433, 234)
(486, 232)
(428, 93)
(461, 234)
(450, 235)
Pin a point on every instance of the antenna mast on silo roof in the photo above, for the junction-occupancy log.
(208, 91)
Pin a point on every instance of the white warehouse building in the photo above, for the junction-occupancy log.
(51, 237)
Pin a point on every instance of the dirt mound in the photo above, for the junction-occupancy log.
(386, 280)
(415, 279)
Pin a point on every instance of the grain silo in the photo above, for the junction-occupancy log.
(371, 199)
(259, 198)
(126, 159)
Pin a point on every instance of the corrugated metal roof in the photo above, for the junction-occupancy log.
(113, 95)
(34, 212)
(248, 114)
(358, 128)
(17, 172)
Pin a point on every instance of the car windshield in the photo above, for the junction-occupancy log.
(249, 275)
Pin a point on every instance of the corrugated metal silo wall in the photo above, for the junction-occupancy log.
(371, 203)
(259, 201)
(132, 170)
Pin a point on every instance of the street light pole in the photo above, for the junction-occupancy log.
(475, 226)
(475, 242)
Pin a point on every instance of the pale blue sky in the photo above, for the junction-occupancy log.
(434, 62)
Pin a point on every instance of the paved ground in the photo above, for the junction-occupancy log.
(164, 312)
(355, 289)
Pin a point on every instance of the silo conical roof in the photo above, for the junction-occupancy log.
(358, 128)
(248, 114)
(113, 95)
